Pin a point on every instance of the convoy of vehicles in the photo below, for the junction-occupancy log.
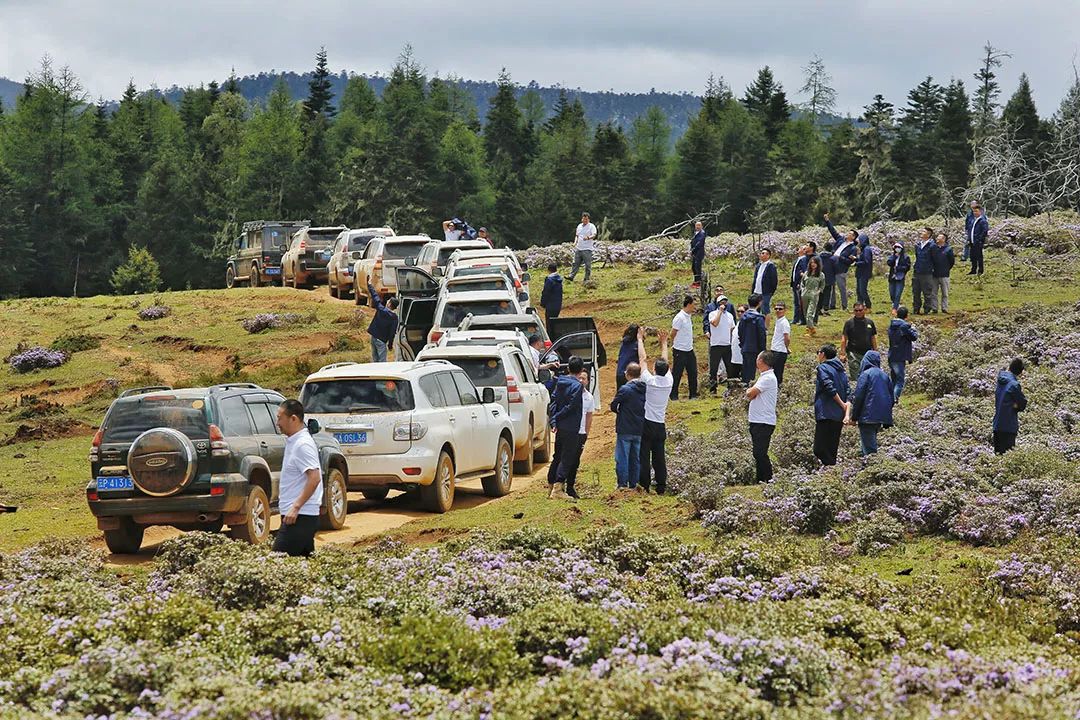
(379, 263)
(256, 258)
(348, 248)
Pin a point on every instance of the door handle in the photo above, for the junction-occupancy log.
(453, 419)
(263, 444)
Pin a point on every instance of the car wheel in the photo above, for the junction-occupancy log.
(256, 527)
(499, 483)
(126, 539)
(332, 288)
(230, 277)
(376, 493)
(337, 501)
(542, 454)
(254, 277)
(525, 467)
(438, 497)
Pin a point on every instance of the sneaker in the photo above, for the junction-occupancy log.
(573, 494)
(551, 491)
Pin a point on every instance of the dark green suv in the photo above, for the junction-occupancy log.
(198, 459)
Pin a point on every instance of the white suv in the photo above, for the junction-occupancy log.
(465, 263)
(413, 426)
(378, 264)
(452, 308)
(507, 369)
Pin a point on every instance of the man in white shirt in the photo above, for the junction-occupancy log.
(542, 360)
(721, 330)
(300, 489)
(762, 415)
(682, 345)
(450, 231)
(781, 341)
(654, 435)
(584, 244)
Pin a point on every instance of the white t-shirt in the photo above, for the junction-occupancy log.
(657, 394)
(759, 275)
(453, 235)
(535, 357)
(586, 236)
(763, 407)
(736, 351)
(684, 339)
(720, 333)
(588, 407)
(301, 455)
(781, 327)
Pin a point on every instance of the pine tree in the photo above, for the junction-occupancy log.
(765, 100)
(954, 132)
(924, 106)
(320, 96)
(532, 107)
(695, 182)
(875, 183)
(268, 156)
(649, 140)
(611, 167)
(987, 89)
(1020, 113)
(797, 159)
(818, 85)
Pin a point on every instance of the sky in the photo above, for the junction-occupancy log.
(868, 46)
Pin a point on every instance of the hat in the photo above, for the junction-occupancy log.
(483, 229)
(722, 298)
(898, 245)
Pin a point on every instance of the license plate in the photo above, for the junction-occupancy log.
(115, 483)
(352, 438)
(273, 271)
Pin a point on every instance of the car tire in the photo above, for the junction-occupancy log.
(375, 493)
(438, 497)
(336, 500)
(230, 277)
(542, 454)
(256, 527)
(253, 279)
(525, 467)
(126, 539)
(332, 288)
(498, 484)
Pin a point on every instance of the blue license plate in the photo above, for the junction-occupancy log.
(273, 271)
(352, 438)
(115, 483)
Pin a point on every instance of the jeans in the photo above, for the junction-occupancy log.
(896, 291)
(868, 437)
(940, 293)
(862, 290)
(563, 466)
(976, 260)
(796, 303)
(761, 436)
(828, 297)
(695, 264)
(582, 256)
(778, 368)
(897, 368)
(627, 460)
(922, 293)
(718, 354)
(652, 452)
(841, 287)
(684, 360)
(1004, 442)
(766, 300)
(827, 440)
(297, 539)
(379, 350)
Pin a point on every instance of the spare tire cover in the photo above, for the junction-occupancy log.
(162, 462)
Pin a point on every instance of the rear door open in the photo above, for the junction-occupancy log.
(585, 345)
(416, 317)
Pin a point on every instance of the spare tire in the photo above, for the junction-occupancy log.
(162, 462)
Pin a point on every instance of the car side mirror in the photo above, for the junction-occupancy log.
(410, 261)
(544, 376)
(525, 266)
(356, 254)
(313, 426)
(487, 395)
(438, 272)
(525, 277)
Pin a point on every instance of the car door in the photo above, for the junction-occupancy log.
(362, 267)
(586, 345)
(416, 283)
(271, 441)
(456, 420)
(476, 418)
(536, 395)
(416, 316)
(235, 422)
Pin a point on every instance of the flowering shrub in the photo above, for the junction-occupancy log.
(269, 321)
(36, 358)
(155, 312)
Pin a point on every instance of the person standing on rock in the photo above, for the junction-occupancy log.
(1009, 400)
(584, 244)
(830, 405)
(300, 487)
(697, 252)
(762, 416)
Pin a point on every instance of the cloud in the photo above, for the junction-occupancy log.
(869, 46)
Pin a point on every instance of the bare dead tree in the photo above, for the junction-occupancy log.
(1001, 176)
(705, 218)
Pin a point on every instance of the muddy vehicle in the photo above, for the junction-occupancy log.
(306, 261)
(257, 252)
(199, 459)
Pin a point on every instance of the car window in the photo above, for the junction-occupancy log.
(449, 389)
(466, 391)
(430, 385)
(484, 372)
(357, 396)
(372, 250)
(402, 250)
(359, 242)
(524, 369)
(475, 286)
(265, 420)
(130, 418)
(234, 416)
(454, 313)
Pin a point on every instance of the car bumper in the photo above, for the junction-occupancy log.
(389, 470)
(173, 509)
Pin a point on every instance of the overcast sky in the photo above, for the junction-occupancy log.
(869, 46)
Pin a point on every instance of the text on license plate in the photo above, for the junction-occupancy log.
(352, 438)
(273, 271)
(115, 483)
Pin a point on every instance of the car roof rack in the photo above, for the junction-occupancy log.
(141, 390)
(331, 366)
(243, 385)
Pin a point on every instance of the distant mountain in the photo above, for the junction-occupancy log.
(9, 91)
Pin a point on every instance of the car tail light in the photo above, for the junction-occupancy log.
(435, 335)
(517, 284)
(378, 264)
(412, 471)
(547, 344)
(217, 491)
(91, 496)
(303, 245)
(95, 445)
(218, 446)
(512, 393)
(410, 431)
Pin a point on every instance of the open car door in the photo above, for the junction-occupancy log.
(412, 282)
(416, 316)
(587, 346)
(561, 327)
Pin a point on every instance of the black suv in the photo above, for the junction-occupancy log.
(198, 459)
(257, 252)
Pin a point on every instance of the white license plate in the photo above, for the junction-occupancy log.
(352, 438)
(115, 483)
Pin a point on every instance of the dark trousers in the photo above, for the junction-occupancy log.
(695, 264)
(564, 461)
(761, 436)
(548, 317)
(684, 360)
(620, 380)
(298, 539)
(749, 367)
(862, 290)
(976, 260)
(922, 293)
(571, 473)
(827, 440)
(778, 368)
(796, 304)
(828, 297)
(896, 292)
(718, 354)
(1004, 442)
(653, 439)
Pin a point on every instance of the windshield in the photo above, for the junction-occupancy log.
(475, 286)
(453, 314)
(130, 418)
(322, 239)
(481, 270)
(400, 251)
(485, 372)
(357, 396)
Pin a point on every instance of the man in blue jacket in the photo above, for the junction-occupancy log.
(1008, 401)
(551, 296)
(765, 279)
(564, 414)
(943, 259)
(697, 251)
(798, 269)
(847, 247)
(864, 271)
(830, 405)
(977, 227)
(629, 408)
(871, 405)
(922, 285)
(383, 327)
(751, 337)
(828, 269)
(901, 336)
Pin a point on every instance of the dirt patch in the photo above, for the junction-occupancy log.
(187, 344)
(52, 429)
